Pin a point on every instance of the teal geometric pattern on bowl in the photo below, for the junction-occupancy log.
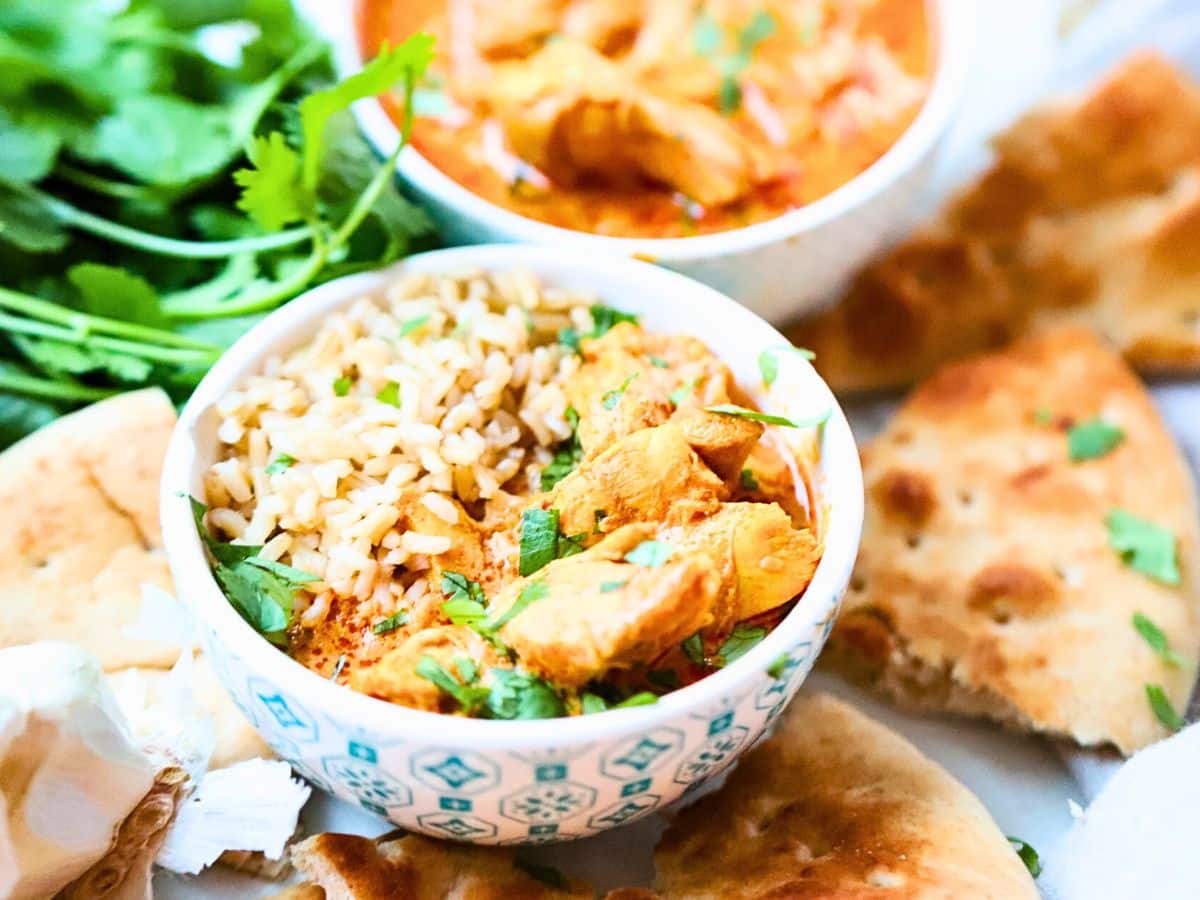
(515, 796)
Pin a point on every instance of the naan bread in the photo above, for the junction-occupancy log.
(349, 867)
(835, 805)
(79, 529)
(1090, 215)
(986, 584)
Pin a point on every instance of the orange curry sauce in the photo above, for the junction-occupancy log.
(683, 117)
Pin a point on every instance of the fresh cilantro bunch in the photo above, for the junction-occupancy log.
(170, 172)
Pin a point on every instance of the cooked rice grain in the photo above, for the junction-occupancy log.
(481, 403)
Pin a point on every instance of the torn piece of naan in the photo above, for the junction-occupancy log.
(80, 534)
(1022, 508)
(1089, 215)
(836, 805)
(349, 867)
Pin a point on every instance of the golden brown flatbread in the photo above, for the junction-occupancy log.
(986, 583)
(349, 867)
(1089, 215)
(835, 805)
(79, 530)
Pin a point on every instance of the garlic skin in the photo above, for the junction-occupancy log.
(70, 773)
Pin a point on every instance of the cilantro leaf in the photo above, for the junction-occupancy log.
(391, 623)
(116, 294)
(604, 318)
(541, 541)
(1161, 706)
(271, 192)
(778, 667)
(263, 591)
(469, 697)
(651, 554)
(27, 151)
(389, 394)
(610, 399)
(707, 35)
(406, 62)
(607, 587)
(531, 593)
(730, 409)
(566, 457)
(592, 703)
(1156, 639)
(658, 362)
(20, 416)
(768, 361)
(1092, 439)
(342, 385)
(741, 641)
(280, 463)
(519, 695)
(1144, 546)
(681, 393)
(643, 698)
(164, 140)
(760, 27)
(414, 324)
(749, 482)
(1028, 855)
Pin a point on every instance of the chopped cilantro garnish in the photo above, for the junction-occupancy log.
(743, 639)
(651, 554)
(341, 386)
(1043, 416)
(541, 541)
(681, 393)
(658, 362)
(708, 40)
(261, 590)
(707, 36)
(749, 482)
(338, 667)
(778, 666)
(729, 94)
(567, 457)
(470, 697)
(729, 409)
(1028, 855)
(643, 698)
(592, 703)
(1092, 439)
(413, 325)
(760, 27)
(391, 623)
(693, 648)
(1144, 546)
(607, 587)
(280, 463)
(519, 695)
(1157, 639)
(389, 394)
(613, 397)
(570, 338)
(605, 318)
(531, 593)
(768, 361)
(1163, 710)
(457, 586)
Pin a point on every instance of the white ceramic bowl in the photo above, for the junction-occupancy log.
(778, 268)
(521, 781)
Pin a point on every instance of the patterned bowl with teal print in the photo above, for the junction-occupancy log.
(500, 782)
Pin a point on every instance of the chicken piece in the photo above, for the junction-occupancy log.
(777, 479)
(466, 553)
(650, 476)
(723, 442)
(764, 562)
(514, 28)
(598, 612)
(691, 379)
(394, 678)
(577, 116)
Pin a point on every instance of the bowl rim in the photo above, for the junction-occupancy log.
(841, 479)
(954, 28)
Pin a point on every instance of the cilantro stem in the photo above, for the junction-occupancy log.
(259, 301)
(83, 324)
(50, 389)
(177, 355)
(109, 187)
(152, 243)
